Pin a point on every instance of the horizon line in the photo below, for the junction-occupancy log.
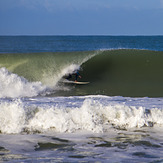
(78, 35)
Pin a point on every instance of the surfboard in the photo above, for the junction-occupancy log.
(81, 82)
(73, 82)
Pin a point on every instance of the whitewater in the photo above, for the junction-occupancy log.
(117, 117)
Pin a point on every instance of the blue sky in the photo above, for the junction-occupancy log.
(81, 17)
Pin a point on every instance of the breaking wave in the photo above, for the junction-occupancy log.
(122, 72)
(75, 114)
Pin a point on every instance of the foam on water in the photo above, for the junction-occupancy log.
(12, 116)
(74, 114)
(12, 85)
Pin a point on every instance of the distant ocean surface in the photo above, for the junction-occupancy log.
(117, 117)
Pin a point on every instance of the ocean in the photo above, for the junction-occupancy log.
(116, 117)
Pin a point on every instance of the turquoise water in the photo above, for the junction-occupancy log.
(117, 117)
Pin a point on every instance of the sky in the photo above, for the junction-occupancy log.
(81, 17)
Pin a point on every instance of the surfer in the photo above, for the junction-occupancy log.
(76, 73)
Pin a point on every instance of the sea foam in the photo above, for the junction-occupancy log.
(12, 85)
(68, 115)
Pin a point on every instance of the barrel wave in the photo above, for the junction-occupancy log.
(125, 72)
(116, 72)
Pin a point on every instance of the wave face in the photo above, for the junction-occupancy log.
(117, 72)
(125, 72)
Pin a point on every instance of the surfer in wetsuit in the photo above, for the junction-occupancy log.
(76, 73)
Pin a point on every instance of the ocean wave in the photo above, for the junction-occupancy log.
(125, 72)
(122, 72)
(92, 115)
